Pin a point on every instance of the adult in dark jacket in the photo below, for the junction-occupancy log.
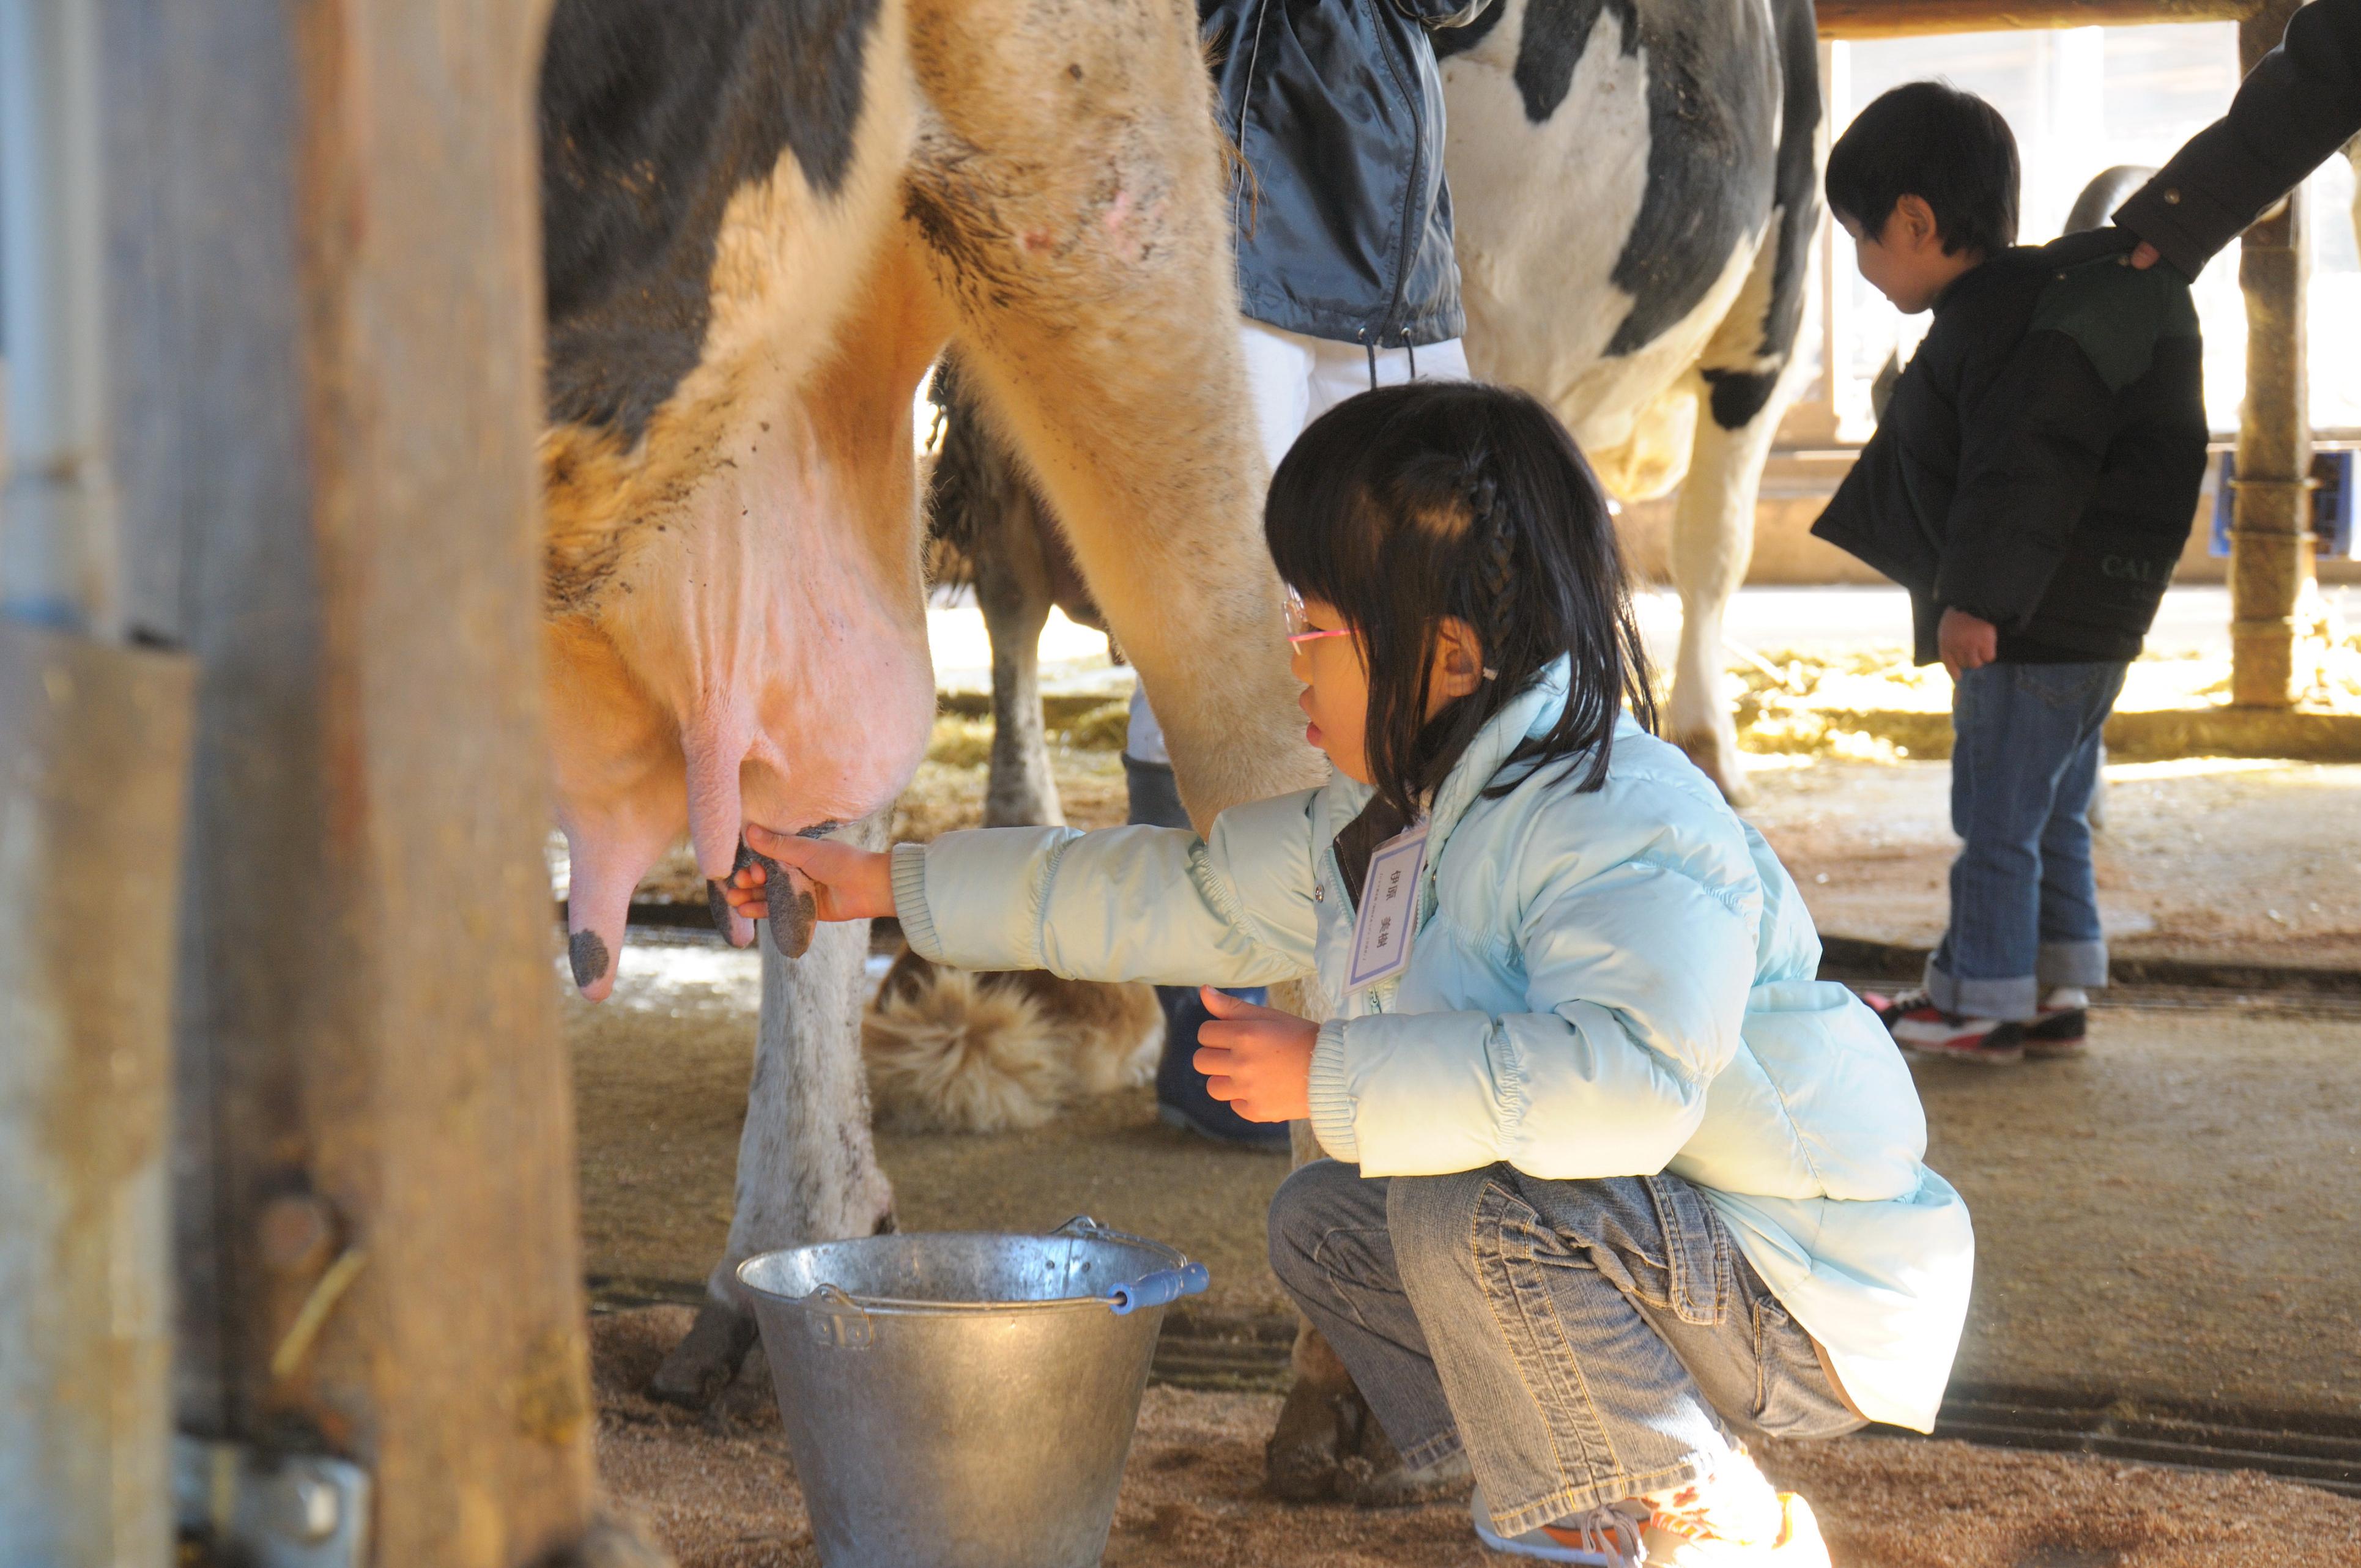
(1336, 106)
(1346, 277)
(2297, 106)
(2031, 485)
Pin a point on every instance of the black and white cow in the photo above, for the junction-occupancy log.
(1636, 184)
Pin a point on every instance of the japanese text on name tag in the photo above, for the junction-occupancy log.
(1387, 918)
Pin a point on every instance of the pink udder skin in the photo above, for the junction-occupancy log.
(760, 656)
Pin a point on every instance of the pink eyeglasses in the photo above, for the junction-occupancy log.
(1299, 629)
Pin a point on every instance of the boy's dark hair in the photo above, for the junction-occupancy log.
(1403, 506)
(1931, 140)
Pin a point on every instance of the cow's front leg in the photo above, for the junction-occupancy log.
(1713, 540)
(807, 1167)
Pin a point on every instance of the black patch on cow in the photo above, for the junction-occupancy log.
(1710, 86)
(652, 113)
(585, 951)
(1738, 395)
(1556, 32)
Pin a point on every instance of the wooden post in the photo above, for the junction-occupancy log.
(2270, 531)
(327, 276)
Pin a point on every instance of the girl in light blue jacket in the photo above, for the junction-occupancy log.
(1614, 1182)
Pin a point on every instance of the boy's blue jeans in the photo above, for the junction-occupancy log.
(2025, 902)
(1582, 1341)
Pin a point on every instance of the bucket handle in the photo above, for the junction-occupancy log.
(1159, 1289)
(838, 1320)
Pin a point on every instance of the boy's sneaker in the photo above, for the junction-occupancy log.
(1917, 1024)
(1603, 1538)
(1679, 1539)
(2065, 1020)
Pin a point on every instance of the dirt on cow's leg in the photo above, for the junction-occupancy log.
(807, 1168)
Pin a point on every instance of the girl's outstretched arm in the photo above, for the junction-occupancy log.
(1155, 904)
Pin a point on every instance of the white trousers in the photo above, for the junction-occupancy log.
(1293, 380)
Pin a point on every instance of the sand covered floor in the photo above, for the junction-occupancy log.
(718, 1491)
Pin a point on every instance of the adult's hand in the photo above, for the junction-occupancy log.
(1258, 1059)
(2145, 256)
(1966, 641)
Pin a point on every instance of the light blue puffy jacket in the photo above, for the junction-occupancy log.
(1611, 984)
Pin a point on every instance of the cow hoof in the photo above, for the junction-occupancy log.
(707, 1359)
(1303, 1460)
(1375, 1477)
(1716, 756)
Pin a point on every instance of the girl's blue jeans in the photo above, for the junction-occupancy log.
(1581, 1341)
(2025, 902)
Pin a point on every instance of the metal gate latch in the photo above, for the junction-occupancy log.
(270, 1511)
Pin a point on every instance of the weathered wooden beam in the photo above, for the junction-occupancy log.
(1901, 18)
(2270, 519)
(328, 267)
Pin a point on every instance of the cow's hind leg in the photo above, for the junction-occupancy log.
(807, 1168)
(1012, 586)
(1713, 540)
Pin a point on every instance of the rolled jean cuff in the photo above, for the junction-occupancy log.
(2016, 998)
(1599, 1491)
(2071, 963)
(1430, 1448)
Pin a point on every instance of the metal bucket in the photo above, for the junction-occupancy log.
(964, 1400)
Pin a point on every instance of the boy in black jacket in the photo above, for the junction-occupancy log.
(2031, 484)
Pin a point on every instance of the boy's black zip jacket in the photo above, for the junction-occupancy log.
(2039, 462)
(1344, 223)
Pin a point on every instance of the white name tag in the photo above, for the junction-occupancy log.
(1383, 928)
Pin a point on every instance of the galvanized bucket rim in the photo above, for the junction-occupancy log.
(902, 1306)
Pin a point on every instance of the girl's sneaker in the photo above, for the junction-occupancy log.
(1917, 1024)
(2065, 1020)
(1679, 1539)
(1603, 1538)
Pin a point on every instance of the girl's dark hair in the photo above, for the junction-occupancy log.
(1949, 148)
(1403, 506)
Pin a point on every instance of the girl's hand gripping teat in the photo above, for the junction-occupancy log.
(847, 884)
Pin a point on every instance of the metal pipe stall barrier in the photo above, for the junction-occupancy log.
(93, 737)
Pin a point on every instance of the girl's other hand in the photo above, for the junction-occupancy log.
(849, 884)
(1256, 1059)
